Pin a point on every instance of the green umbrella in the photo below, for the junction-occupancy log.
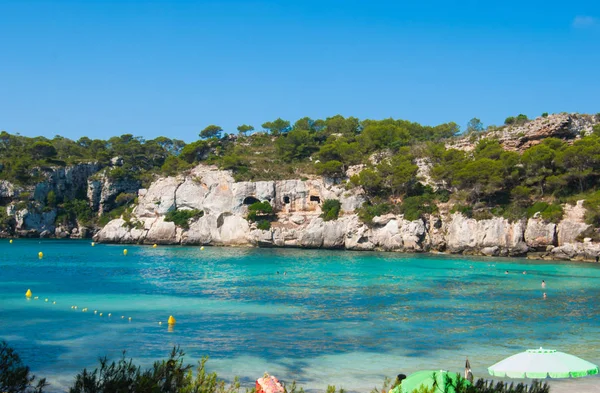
(427, 378)
(542, 363)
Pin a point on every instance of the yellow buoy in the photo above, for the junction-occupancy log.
(159, 322)
(53, 302)
(40, 255)
(122, 316)
(125, 252)
(129, 319)
(154, 246)
(10, 241)
(202, 248)
(28, 293)
(109, 314)
(100, 314)
(45, 300)
(171, 320)
(93, 244)
(95, 311)
(36, 298)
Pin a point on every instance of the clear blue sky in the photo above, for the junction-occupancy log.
(150, 68)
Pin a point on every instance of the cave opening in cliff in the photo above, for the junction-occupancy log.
(315, 198)
(250, 200)
(286, 199)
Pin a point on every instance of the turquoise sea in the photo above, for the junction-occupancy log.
(328, 317)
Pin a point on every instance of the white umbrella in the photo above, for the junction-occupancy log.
(542, 363)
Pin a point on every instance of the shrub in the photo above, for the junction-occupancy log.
(415, 207)
(78, 209)
(592, 206)
(124, 198)
(170, 375)
(264, 225)
(466, 211)
(332, 169)
(545, 114)
(14, 375)
(51, 198)
(549, 212)
(258, 210)
(535, 208)
(6, 222)
(331, 209)
(367, 212)
(181, 217)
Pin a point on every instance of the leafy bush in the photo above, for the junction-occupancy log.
(111, 215)
(466, 211)
(262, 210)
(549, 212)
(264, 225)
(367, 212)
(78, 209)
(165, 376)
(14, 375)
(592, 206)
(181, 217)
(333, 168)
(6, 222)
(51, 198)
(125, 198)
(415, 207)
(331, 209)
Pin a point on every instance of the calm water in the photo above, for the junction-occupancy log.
(335, 317)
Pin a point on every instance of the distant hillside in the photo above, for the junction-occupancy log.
(60, 187)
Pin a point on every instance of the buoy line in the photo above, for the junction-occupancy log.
(28, 295)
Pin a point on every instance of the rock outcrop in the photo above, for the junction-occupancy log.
(519, 138)
(298, 222)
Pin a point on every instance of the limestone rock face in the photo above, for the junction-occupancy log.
(162, 232)
(572, 224)
(8, 190)
(102, 191)
(159, 198)
(66, 182)
(232, 230)
(540, 234)
(33, 220)
(190, 194)
(469, 235)
(586, 251)
(520, 137)
(298, 222)
(413, 235)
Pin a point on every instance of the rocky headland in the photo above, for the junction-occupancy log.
(297, 210)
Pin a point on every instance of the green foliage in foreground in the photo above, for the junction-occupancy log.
(331, 209)
(181, 218)
(173, 376)
(168, 376)
(14, 375)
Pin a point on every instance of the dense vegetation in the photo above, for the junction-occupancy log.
(174, 376)
(181, 218)
(482, 183)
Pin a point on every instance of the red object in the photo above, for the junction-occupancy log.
(269, 384)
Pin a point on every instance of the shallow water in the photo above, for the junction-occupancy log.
(334, 317)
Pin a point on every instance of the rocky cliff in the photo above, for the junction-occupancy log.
(298, 223)
(567, 126)
(30, 213)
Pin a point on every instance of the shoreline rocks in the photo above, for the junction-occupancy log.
(298, 223)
